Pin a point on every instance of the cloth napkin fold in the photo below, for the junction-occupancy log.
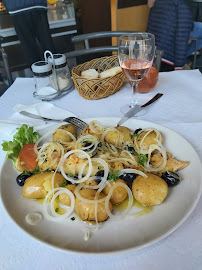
(45, 109)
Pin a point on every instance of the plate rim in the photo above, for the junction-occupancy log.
(121, 251)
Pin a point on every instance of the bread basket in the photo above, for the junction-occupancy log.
(100, 87)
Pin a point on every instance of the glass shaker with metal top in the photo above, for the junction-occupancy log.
(62, 81)
(43, 75)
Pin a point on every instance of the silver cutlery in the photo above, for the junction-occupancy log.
(80, 124)
(133, 111)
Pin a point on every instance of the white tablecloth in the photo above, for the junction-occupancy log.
(180, 109)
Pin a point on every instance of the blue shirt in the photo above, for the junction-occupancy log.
(171, 23)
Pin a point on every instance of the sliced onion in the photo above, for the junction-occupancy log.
(89, 166)
(59, 164)
(108, 130)
(123, 160)
(96, 127)
(162, 151)
(48, 133)
(33, 218)
(78, 195)
(130, 201)
(55, 216)
(43, 155)
(106, 172)
(141, 149)
(112, 148)
(93, 140)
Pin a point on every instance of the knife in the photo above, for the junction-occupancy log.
(134, 110)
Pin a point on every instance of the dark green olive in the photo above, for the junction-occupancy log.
(171, 178)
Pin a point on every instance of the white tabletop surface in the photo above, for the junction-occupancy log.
(180, 109)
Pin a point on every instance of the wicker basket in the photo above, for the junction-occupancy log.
(98, 88)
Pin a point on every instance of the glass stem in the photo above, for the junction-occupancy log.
(134, 91)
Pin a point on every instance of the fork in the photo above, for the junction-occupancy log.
(80, 124)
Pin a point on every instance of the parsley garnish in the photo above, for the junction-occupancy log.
(133, 152)
(85, 142)
(99, 168)
(56, 209)
(70, 175)
(64, 184)
(114, 176)
(26, 173)
(142, 159)
(104, 151)
(36, 170)
(135, 134)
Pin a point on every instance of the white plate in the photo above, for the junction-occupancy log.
(114, 237)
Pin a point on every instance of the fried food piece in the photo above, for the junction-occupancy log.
(172, 164)
(149, 139)
(21, 166)
(53, 155)
(74, 163)
(119, 138)
(87, 131)
(61, 136)
(149, 191)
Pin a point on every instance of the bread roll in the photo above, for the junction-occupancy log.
(90, 74)
(110, 72)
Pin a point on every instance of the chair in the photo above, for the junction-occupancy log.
(92, 50)
(194, 64)
(4, 63)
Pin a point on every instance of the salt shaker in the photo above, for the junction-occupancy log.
(43, 76)
(62, 81)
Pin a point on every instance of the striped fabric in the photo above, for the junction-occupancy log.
(171, 22)
(17, 6)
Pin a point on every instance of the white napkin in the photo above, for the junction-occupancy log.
(45, 109)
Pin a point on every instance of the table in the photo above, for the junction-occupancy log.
(180, 109)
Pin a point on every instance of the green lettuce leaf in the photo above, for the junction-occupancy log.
(23, 136)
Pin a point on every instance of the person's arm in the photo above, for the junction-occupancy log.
(150, 3)
(184, 24)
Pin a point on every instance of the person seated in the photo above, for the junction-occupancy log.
(171, 22)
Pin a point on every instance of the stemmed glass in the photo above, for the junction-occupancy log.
(136, 54)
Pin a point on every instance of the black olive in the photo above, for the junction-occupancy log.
(88, 144)
(128, 178)
(99, 175)
(171, 178)
(22, 178)
(137, 130)
(131, 149)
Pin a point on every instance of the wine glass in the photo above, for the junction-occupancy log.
(136, 54)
